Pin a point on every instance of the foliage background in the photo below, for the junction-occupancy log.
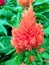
(10, 15)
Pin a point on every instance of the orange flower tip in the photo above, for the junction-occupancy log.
(31, 58)
(25, 2)
(41, 50)
(23, 64)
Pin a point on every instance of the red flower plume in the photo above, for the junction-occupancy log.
(28, 35)
(2, 2)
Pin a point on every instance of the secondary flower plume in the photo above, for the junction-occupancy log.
(2, 2)
(25, 2)
(29, 34)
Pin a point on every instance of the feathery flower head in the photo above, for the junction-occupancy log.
(2, 2)
(28, 35)
(25, 2)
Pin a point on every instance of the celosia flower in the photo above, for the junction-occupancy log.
(31, 58)
(41, 50)
(25, 2)
(23, 64)
(2, 2)
(28, 35)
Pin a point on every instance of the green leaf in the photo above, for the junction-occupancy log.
(37, 2)
(34, 63)
(42, 8)
(15, 20)
(2, 28)
(46, 30)
(45, 43)
(11, 62)
(5, 45)
(1, 63)
(6, 13)
(15, 61)
(27, 53)
(8, 0)
(3, 22)
(42, 17)
(40, 63)
(45, 55)
(17, 9)
(47, 63)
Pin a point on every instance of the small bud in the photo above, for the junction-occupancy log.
(31, 58)
(23, 64)
(40, 50)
